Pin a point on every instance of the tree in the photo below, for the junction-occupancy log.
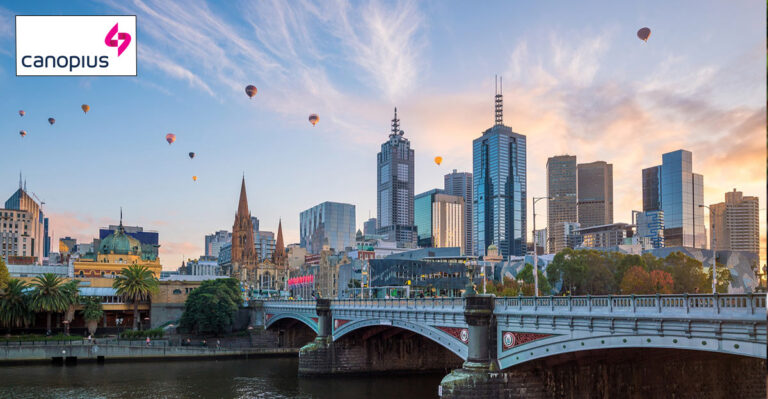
(567, 267)
(71, 294)
(212, 307)
(135, 283)
(14, 305)
(49, 296)
(687, 273)
(662, 282)
(92, 312)
(636, 281)
(4, 275)
(526, 274)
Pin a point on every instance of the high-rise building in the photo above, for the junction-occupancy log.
(328, 223)
(562, 190)
(735, 223)
(394, 212)
(650, 224)
(15, 241)
(460, 184)
(243, 252)
(673, 188)
(34, 238)
(541, 241)
(595, 194)
(608, 235)
(66, 245)
(500, 193)
(264, 242)
(422, 216)
(213, 242)
(369, 227)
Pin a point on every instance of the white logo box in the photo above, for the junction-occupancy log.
(66, 40)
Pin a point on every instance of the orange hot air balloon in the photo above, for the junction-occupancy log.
(85, 108)
(313, 119)
(643, 34)
(194, 178)
(51, 121)
(21, 112)
(170, 138)
(438, 160)
(191, 155)
(251, 90)
(23, 133)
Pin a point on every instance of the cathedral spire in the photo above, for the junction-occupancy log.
(242, 205)
(278, 256)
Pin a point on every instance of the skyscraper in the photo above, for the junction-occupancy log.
(395, 188)
(328, 223)
(213, 242)
(595, 194)
(562, 206)
(672, 187)
(422, 206)
(243, 249)
(34, 238)
(499, 180)
(448, 222)
(460, 184)
(735, 223)
(650, 224)
(369, 227)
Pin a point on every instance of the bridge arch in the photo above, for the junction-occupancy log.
(308, 321)
(436, 335)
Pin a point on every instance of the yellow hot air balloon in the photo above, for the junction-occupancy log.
(170, 138)
(194, 178)
(85, 108)
(438, 160)
(313, 119)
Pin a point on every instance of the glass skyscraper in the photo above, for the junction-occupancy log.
(394, 188)
(422, 205)
(329, 223)
(460, 184)
(673, 188)
(500, 197)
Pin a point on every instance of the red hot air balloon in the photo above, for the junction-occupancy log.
(21, 112)
(643, 34)
(313, 119)
(23, 133)
(51, 121)
(251, 91)
(170, 138)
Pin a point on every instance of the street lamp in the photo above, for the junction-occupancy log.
(535, 253)
(714, 254)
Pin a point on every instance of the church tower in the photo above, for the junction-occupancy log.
(243, 249)
(278, 256)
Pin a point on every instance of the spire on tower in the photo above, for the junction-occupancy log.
(395, 125)
(499, 114)
(20, 186)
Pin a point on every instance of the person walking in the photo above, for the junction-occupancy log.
(148, 342)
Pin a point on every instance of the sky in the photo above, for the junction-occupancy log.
(576, 80)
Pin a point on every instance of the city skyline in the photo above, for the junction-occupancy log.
(589, 81)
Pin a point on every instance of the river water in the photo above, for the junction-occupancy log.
(255, 378)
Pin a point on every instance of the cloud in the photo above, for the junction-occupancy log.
(173, 252)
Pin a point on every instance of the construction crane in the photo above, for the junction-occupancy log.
(38, 200)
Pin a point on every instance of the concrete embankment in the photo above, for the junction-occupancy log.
(27, 354)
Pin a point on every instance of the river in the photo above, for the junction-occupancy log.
(255, 378)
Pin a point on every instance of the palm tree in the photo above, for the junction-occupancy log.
(135, 283)
(14, 305)
(50, 296)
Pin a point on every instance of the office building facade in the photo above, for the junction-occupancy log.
(460, 184)
(440, 220)
(595, 194)
(562, 206)
(735, 223)
(214, 242)
(329, 223)
(650, 224)
(369, 227)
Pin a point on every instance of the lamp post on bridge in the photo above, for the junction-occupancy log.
(714, 252)
(535, 252)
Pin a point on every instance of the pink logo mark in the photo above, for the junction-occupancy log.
(111, 42)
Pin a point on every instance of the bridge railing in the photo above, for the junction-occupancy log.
(402, 303)
(309, 303)
(694, 305)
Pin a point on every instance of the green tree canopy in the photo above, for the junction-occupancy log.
(14, 305)
(526, 274)
(134, 284)
(50, 295)
(92, 309)
(212, 307)
(4, 275)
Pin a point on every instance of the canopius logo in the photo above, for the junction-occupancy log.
(111, 42)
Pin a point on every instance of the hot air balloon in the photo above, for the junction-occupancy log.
(21, 112)
(170, 138)
(644, 34)
(251, 90)
(23, 133)
(191, 155)
(51, 121)
(85, 108)
(194, 178)
(313, 119)
(438, 160)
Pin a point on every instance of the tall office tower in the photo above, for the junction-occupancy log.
(735, 223)
(328, 223)
(243, 258)
(499, 181)
(422, 209)
(213, 242)
(460, 184)
(673, 188)
(595, 194)
(34, 238)
(440, 220)
(562, 207)
(395, 188)
(369, 227)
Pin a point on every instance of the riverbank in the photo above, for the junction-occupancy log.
(115, 352)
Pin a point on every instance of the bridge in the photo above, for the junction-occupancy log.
(488, 334)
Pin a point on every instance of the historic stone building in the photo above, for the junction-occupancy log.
(244, 259)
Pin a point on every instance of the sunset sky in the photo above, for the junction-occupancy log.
(577, 81)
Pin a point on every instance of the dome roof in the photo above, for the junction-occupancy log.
(120, 243)
(493, 247)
